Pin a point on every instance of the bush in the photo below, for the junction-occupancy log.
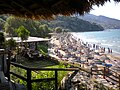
(43, 49)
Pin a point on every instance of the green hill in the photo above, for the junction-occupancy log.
(74, 24)
(70, 23)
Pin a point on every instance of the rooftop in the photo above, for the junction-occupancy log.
(30, 39)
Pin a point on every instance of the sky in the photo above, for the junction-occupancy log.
(110, 9)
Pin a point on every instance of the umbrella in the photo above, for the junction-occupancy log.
(104, 58)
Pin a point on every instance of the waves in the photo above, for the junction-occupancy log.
(108, 38)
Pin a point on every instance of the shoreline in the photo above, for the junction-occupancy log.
(68, 48)
(85, 44)
(102, 40)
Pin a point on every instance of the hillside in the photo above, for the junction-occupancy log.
(105, 22)
(74, 24)
(70, 23)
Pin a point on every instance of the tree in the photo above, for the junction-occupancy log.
(22, 32)
(36, 28)
(2, 22)
(58, 29)
(43, 31)
(2, 40)
(11, 44)
(10, 25)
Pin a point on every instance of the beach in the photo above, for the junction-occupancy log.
(66, 47)
(69, 47)
(109, 38)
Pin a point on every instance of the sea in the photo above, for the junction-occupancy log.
(109, 38)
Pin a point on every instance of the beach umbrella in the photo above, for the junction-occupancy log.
(47, 9)
(104, 58)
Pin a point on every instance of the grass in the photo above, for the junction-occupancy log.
(35, 63)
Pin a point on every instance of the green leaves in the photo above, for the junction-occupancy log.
(22, 32)
(36, 28)
(11, 43)
(58, 29)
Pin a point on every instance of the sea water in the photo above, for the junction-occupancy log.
(109, 38)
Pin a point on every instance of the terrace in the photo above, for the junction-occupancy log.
(28, 78)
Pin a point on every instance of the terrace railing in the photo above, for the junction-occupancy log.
(112, 75)
(107, 73)
(29, 79)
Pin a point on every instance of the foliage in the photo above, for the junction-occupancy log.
(74, 24)
(44, 31)
(58, 29)
(43, 28)
(10, 24)
(22, 32)
(2, 39)
(43, 49)
(36, 28)
(11, 44)
(2, 22)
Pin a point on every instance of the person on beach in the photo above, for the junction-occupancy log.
(111, 51)
(93, 45)
(108, 50)
(104, 49)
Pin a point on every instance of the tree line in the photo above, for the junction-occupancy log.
(9, 25)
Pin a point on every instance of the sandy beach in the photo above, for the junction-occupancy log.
(68, 48)
(115, 59)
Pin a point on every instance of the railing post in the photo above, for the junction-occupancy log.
(8, 65)
(119, 82)
(56, 80)
(3, 63)
(29, 85)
